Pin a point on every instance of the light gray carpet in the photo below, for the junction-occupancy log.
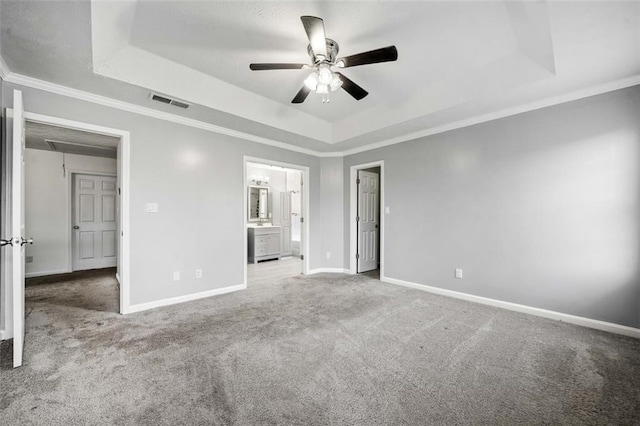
(326, 349)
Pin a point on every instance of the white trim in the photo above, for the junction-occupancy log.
(353, 212)
(186, 298)
(507, 112)
(118, 279)
(45, 273)
(124, 159)
(5, 334)
(558, 316)
(4, 69)
(149, 112)
(125, 106)
(328, 271)
(306, 211)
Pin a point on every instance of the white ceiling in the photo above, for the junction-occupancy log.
(457, 60)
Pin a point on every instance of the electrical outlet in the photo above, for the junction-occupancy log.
(28, 259)
(328, 255)
(198, 273)
(176, 275)
(458, 273)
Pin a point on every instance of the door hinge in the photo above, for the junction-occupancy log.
(302, 257)
(358, 181)
(302, 220)
(357, 218)
(357, 255)
(119, 193)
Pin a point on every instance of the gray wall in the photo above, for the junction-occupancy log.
(196, 178)
(332, 212)
(539, 209)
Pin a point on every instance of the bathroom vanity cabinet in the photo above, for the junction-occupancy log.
(264, 243)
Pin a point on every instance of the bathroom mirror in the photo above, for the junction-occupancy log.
(258, 203)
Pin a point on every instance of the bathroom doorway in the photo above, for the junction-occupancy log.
(275, 227)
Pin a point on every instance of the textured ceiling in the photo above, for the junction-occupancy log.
(457, 60)
(69, 141)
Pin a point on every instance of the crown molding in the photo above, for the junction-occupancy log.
(4, 69)
(149, 112)
(532, 106)
(46, 86)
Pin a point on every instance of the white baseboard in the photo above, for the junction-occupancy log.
(558, 316)
(328, 270)
(5, 334)
(186, 298)
(45, 273)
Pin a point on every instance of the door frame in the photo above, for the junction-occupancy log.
(70, 206)
(353, 212)
(123, 174)
(305, 234)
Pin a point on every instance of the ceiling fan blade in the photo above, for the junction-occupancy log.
(385, 54)
(315, 32)
(266, 67)
(352, 88)
(301, 95)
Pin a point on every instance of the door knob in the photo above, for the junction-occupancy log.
(26, 241)
(9, 242)
(76, 227)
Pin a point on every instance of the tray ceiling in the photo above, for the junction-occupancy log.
(457, 60)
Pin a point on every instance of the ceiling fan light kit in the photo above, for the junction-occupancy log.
(324, 56)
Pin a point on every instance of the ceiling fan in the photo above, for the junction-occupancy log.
(324, 57)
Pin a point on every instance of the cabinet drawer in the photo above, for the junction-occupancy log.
(261, 250)
(266, 230)
(261, 240)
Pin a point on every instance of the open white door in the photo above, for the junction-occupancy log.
(368, 218)
(16, 252)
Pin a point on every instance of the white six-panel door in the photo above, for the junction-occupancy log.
(95, 238)
(368, 220)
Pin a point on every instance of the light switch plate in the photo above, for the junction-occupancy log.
(151, 208)
(458, 273)
(387, 210)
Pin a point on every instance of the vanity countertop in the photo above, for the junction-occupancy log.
(265, 225)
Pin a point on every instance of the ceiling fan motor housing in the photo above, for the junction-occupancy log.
(332, 52)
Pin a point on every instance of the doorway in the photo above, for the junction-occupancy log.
(72, 215)
(13, 279)
(367, 224)
(275, 226)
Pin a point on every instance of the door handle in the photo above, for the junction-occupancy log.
(9, 242)
(76, 227)
(27, 241)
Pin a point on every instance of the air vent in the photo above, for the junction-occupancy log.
(165, 100)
